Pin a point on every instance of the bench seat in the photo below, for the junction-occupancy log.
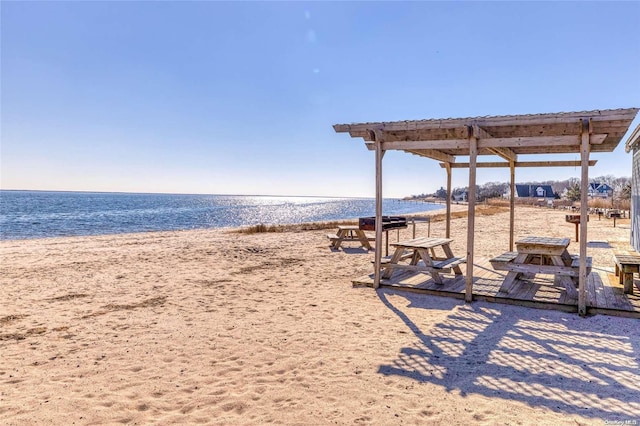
(449, 263)
(509, 256)
(575, 262)
(387, 259)
(627, 264)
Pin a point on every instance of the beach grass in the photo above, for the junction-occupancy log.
(308, 226)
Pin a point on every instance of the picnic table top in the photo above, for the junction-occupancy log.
(628, 258)
(349, 227)
(423, 242)
(544, 241)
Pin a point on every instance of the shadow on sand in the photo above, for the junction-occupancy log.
(599, 244)
(354, 250)
(548, 359)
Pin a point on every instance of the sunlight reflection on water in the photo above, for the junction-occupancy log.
(33, 214)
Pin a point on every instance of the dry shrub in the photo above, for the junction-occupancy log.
(258, 229)
(600, 203)
(309, 226)
(597, 203)
(481, 210)
(623, 204)
(497, 202)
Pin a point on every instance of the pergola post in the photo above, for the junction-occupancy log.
(448, 219)
(584, 216)
(512, 203)
(378, 251)
(471, 212)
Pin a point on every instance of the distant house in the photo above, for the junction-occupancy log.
(534, 191)
(461, 196)
(599, 190)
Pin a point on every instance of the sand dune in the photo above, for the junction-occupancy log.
(216, 327)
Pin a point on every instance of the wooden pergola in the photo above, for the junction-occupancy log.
(508, 137)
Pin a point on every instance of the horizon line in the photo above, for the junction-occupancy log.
(193, 193)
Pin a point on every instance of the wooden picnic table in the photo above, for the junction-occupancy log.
(541, 255)
(423, 249)
(350, 233)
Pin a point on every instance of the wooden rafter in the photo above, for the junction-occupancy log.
(505, 153)
(434, 154)
(480, 133)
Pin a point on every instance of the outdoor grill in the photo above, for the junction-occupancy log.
(572, 218)
(388, 222)
(575, 219)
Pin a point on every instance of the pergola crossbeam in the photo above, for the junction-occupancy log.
(510, 142)
(528, 141)
(521, 164)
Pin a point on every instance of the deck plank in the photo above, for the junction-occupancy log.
(597, 289)
(607, 290)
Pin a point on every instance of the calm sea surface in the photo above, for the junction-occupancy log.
(36, 214)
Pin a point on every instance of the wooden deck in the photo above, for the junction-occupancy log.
(604, 293)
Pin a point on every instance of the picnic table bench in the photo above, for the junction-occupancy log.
(627, 264)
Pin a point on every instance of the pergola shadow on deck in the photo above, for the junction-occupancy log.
(604, 294)
(508, 137)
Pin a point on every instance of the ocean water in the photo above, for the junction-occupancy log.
(39, 214)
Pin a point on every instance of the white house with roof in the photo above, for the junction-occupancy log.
(600, 190)
(534, 191)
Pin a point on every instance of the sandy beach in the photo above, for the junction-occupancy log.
(219, 327)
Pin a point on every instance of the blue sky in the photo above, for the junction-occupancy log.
(240, 97)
